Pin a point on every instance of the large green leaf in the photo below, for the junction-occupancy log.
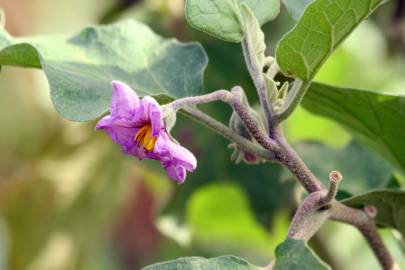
(80, 68)
(198, 263)
(390, 205)
(219, 18)
(362, 170)
(295, 254)
(323, 26)
(221, 220)
(376, 119)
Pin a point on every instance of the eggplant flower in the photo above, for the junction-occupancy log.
(137, 125)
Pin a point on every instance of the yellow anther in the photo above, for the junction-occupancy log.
(145, 139)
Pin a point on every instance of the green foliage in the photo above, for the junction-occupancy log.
(362, 170)
(79, 69)
(197, 263)
(220, 18)
(295, 254)
(390, 205)
(324, 25)
(376, 119)
(296, 7)
(221, 219)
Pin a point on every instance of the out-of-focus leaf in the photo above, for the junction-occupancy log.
(322, 27)
(362, 170)
(80, 68)
(50, 213)
(295, 254)
(376, 119)
(390, 205)
(219, 18)
(221, 221)
(198, 263)
(296, 7)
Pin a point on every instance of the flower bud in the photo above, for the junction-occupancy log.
(237, 126)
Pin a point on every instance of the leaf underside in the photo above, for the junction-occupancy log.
(198, 263)
(322, 27)
(374, 119)
(219, 17)
(79, 69)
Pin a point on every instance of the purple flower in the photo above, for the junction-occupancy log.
(137, 125)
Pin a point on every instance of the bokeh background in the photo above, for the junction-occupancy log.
(70, 200)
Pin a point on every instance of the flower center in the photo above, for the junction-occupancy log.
(145, 139)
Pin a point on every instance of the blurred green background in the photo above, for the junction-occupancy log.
(70, 200)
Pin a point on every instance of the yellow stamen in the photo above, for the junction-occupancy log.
(145, 139)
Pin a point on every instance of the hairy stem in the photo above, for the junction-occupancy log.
(260, 84)
(219, 95)
(227, 133)
(307, 216)
(290, 159)
(250, 123)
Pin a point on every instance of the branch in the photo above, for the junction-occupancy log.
(337, 211)
(260, 84)
(314, 211)
(234, 99)
(227, 133)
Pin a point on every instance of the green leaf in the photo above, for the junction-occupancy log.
(254, 38)
(198, 263)
(221, 220)
(376, 119)
(219, 18)
(80, 68)
(295, 254)
(390, 205)
(362, 170)
(324, 25)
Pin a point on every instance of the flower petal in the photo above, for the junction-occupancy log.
(120, 130)
(124, 100)
(177, 173)
(175, 158)
(149, 111)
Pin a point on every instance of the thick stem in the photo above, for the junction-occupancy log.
(250, 123)
(337, 211)
(260, 84)
(290, 159)
(370, 233)
(219, 95)
(235, 99)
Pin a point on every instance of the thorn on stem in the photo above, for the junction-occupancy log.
(371, 211)
(335, 176)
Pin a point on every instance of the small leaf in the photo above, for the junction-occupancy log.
(254, 38)
(271, 87)
(362, 170)
(79, 69)
(295, 254)
(219, 18)
(376, 119)
(296, 7)
(390, 206)
(198, 263)
(323, 26)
